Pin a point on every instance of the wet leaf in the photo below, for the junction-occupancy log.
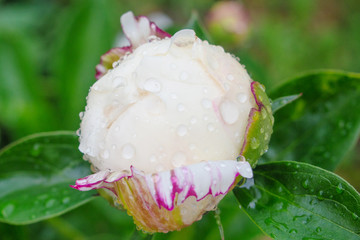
(283, 101)
(323, 125)
(291, 200)
(35, 174)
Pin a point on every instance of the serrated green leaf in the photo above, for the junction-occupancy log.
(291, 200)
(321, 126)
(283, 101)
(195, 24)
(35, 174)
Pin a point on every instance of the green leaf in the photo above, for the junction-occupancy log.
(283, 101)
(292, 200)
(85, 32)
(22, 105)
(195, 24)
(35, 174)
(323, 125)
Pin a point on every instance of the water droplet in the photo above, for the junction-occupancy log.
(206, 103)
(339, 189)
(226, 86)
(205, 90)
(105, 154)
(178, 159)
(152, 85)
(78, 132)
(181, 130)
(8, 210)
(293, 231)
(318, 229)
(159, 168)
(252, 205)
(355, 217)
(229, 112)
(119, 82)
(280, 226)
(192, 147)
(50, 203)
(152, 158)
(210, 127)
(230, 77)
(66, 200)
(193, 120)
(180, 107)
(117, 128)
(36, 150)
(81, 115)
(173, 66)
(184, 76)
(305, 184)
(173, 96)
(262, 130)
(128, 151)
(207, 168)
(254, 143)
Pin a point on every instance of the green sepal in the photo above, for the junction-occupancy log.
(260, 126)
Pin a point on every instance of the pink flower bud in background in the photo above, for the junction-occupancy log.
(228, 23)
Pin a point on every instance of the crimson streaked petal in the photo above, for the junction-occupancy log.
(139, 29)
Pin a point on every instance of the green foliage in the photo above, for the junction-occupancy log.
(321, 126)
(48, 51)
(35, 174)
(292, 200)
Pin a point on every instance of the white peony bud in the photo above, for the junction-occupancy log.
(172, 127)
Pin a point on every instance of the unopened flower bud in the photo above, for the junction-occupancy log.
(172, 127)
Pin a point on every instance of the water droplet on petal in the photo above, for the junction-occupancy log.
(66, 200)
(128, 151)
(178, 159)
(81, 115)
(229, 112)
(152, 85)
(184, 76)
(206, 103)
(180, 107)
(230, 77)
(339, 189)
(210, 127)
(105, 154)
(305, 184)
(193, 120)
(118, 82)
(182, 130)
(36, 150)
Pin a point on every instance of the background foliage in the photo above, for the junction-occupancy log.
(48, 51)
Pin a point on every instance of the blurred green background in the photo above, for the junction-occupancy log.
(48, 53)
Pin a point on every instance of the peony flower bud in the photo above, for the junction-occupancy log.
(172, 127)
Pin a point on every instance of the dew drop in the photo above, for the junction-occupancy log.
(181, 130)
(254, 143)
(192, 147)
(159, 168)
(355, 217)
(205, 90)
(178, 159)
(206, 103)
(128, 151)
(318, 229)
(119, 82)
(339, 189)
(229, 112)
(8, 210)
(305, 184)
(105, 154)
(293, 231)
(193, 120)
(207, 168)
(81, 115)
(152, 158)
(36, 150)
(210, 127)
(184, 76)
(180, 107)
(50, 203)
(117, 128)
(226, 87)
(78, 132)
(66, 200)
(152, 85)
(230, 77)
